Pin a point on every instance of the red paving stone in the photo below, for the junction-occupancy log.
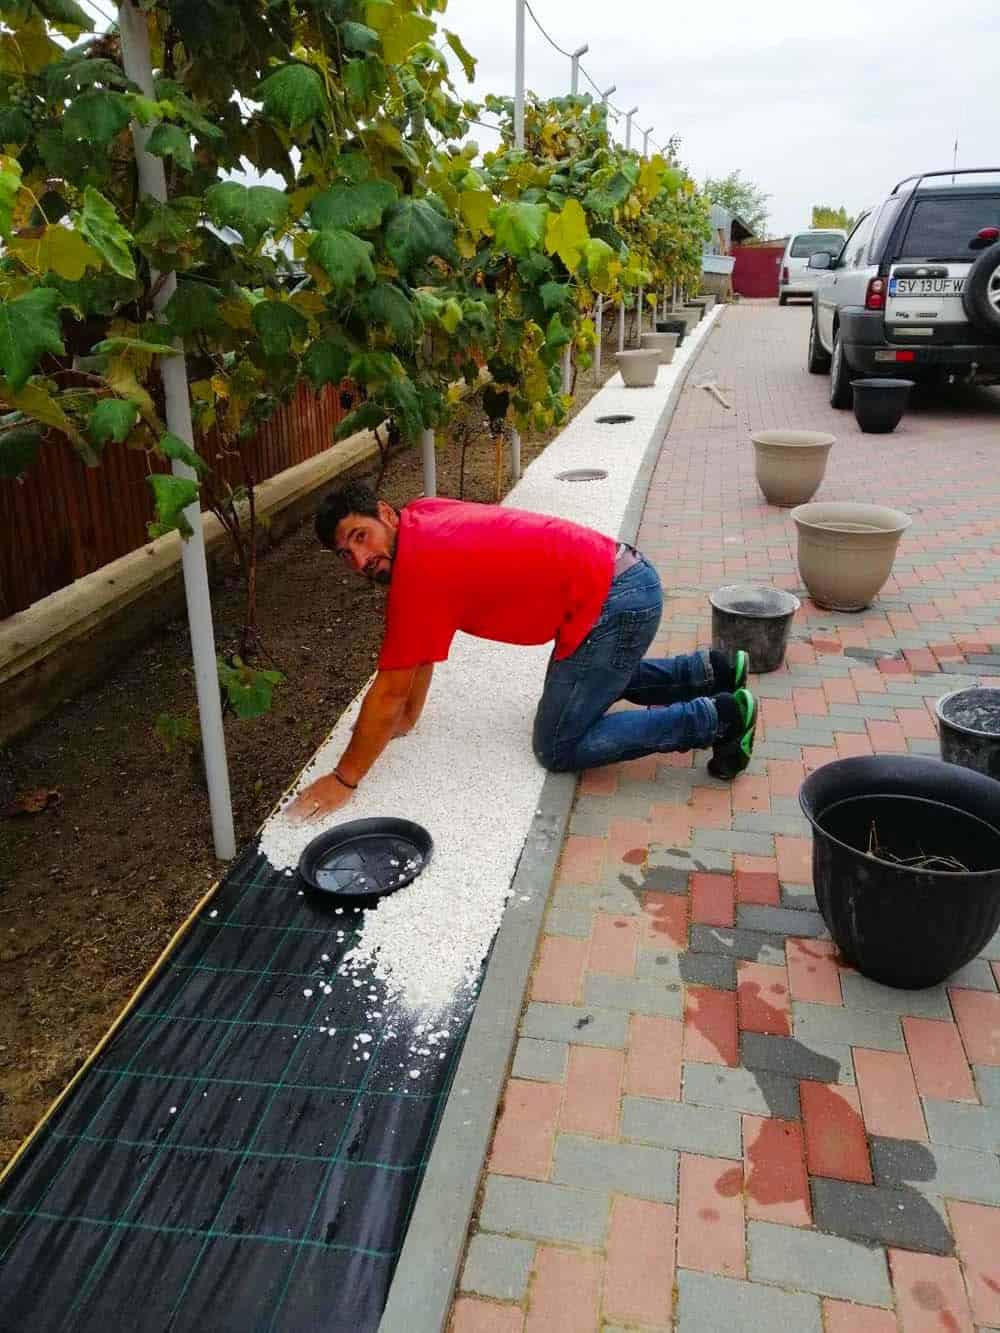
(614, 941)
(470, 1315)
(977, 1014)
(713, 899)
(525, 1132)
(938, 1059)
(763, 1001)
(654, 1056)
(775, 1180)
(710, 1027)
(664, 921)
(582, 859)
(710, 1222)
(639, 1279)
(889, 1099)
(592, 1092)
(813, 973)
(559, 974)
(565, 1292)
(977, 1243)
(794, 859)
(751, 794)
(930, 1295)
(760, 888)
(836, 1144)
(843, 1317)
(786, 776)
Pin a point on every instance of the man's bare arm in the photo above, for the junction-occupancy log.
(381, 714)
(418, 694)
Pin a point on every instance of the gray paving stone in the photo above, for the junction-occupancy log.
(688, 1128)
(674, 865)
(861, 993)
(881, 1215)
(657, 965)
(975, 1127)
(798, 897)
(988, 1083)
(641, 997)
(778, 750)
(795, 826)
(544, 1212)
(758, 1092)
(819, 1061)
(583, 1025)
(921, 745)
(542, 1061)
(622, 1168)
(954, 1173)
(498, 1266)
(798, 923)
(591, 816)
(874, 712)
(812, 1261)
(802, 735)
(663, 879)
(710, 1304)
(976, 975)
(717, 839)
(992, 950)
(566, 921)
(750, 945)
(852, 1027)
(707, 969)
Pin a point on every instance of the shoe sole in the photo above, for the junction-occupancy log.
(747, 740)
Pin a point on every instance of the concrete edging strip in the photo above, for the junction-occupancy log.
(428, 1269)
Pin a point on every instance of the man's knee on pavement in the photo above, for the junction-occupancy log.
(549, 758)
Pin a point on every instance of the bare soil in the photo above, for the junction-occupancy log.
(93, 886)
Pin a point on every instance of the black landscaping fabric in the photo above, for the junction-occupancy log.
(225, 1164)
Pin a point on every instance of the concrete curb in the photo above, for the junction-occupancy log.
(424, 1281)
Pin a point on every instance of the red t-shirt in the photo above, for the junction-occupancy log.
(494, 572)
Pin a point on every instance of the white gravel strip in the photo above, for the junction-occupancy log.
(467, 773)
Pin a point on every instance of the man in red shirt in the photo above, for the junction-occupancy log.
(518, 577)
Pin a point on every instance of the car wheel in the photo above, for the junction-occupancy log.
(981, 297)
(818, 360)
(782, 299)
(841, 393)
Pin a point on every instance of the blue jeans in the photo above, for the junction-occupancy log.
(573, 728)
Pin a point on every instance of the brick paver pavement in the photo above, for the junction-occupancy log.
(711, 1123)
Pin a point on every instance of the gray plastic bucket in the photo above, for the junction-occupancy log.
(756, 617)
(969, 727)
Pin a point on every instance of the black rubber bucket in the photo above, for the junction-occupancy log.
(755, 617)
(678, 326)
(969, 727)
(879, 404)
(905, 925)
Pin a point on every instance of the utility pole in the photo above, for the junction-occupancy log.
(575, 78)
(628, 127)
(645, 141)
(173, 369)
(519, 74)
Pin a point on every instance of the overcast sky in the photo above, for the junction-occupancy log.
(816, 103)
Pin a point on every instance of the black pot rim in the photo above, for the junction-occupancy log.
(864, 763)
(754, 615)
(957, 726)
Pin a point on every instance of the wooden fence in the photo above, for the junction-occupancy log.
(64, 519)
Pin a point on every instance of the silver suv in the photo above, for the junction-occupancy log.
(915, 289)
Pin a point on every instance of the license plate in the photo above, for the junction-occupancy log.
(926, 286)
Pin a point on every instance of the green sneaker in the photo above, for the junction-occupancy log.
(741, 669)
(730, 758)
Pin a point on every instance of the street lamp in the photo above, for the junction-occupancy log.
(575, 57)
(628, 127)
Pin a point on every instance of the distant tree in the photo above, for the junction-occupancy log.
(741, 197)
(825, 216)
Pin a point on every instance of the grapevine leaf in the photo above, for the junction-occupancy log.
(600, 258)
(96, 117)
(369, 416)
(10, 185)
(37, 403)
(325, 362)
(555, 295)
(66, 15)
(293, 95)
(15, 127)
(557, 335)
(117, 346)
(173, 447)
(278, 323)
(172, 141)
(386, 305)
(18, 450)
(58, 250)
(476, 207)
(356, 207)
(364, 79)
(112, 419)
(414, 232)
(250, 210)
(343, 257)
(171, 496)
(100, 226)
(248, 690)
(358, 37)
(120, 375)
(566, 234)
(451, 315)
(519, 228)
(194, 308)
(651, 176)
(29, 327)
(166, 226)
(400, 33)
(467, 62)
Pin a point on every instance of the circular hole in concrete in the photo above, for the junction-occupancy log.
(617, 419)
(582, 474)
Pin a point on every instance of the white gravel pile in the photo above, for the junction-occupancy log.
(467, 773)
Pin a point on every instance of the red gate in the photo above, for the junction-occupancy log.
(756, 271)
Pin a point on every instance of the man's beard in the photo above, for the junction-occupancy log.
(383, 577)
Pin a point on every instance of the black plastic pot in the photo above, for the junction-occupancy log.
(969, 727)
(902, 925)
(678, 326)
(879, 404)
(755, 617)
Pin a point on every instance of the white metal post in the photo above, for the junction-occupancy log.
(621, 325)
(645, 141)
(628, 127)
(607, 93)
(429, 460)
(152, 181)
(519, 74)
(575, 76)
(599, 329)
(567, 369)
(515, 453)
(639, 313)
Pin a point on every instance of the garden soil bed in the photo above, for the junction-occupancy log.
(93, 886)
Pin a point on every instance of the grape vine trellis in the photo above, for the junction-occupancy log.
(391, 255)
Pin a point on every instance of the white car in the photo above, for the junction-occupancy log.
(796, 278)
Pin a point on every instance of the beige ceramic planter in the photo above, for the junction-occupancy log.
(790, 463)
(707, 300)
(690, 317)
(638, 369)
(664, 343)
(846, 551)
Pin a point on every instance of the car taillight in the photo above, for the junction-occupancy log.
(784, 274)
(906, 356)
(875, 295)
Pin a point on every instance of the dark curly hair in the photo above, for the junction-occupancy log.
(354, 498)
